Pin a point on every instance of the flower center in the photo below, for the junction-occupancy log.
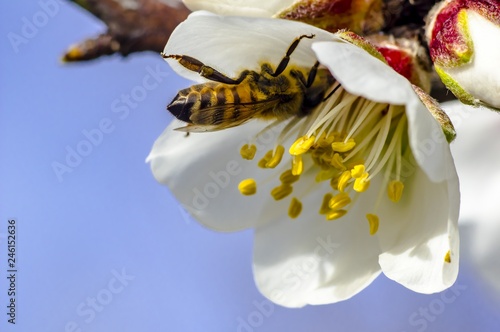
(347, 140)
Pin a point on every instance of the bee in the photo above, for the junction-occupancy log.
(269, 94)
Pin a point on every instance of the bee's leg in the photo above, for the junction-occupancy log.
(284, 62)
(312, 75)
(310, 78)
(332, 92)
(205, 71)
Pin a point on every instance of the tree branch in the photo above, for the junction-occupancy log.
(133, 26)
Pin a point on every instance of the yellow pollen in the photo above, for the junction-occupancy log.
(334, 183)
(297, 165)
(276, 158)
(248, 151)
(343, 180)
(325, 141)
(337, 162)
(335, 214)
(339, 201)
(447, 257)
(324, 206)
(326, 158)
(324, 175)
(281, 191)
(301, 145)
(247, 187)
(295, 208)
(263, 162)
(395, 190)
(343, 146)
(362, 183)
(288, 177)
(358, 171)
(373, 221)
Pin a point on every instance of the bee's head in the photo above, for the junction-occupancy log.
(180, 108)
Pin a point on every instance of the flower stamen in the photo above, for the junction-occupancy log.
(247, 187)
(373, 222)
(447, 257)
(395, 190)
(281, 191)
(297, 165)
(248, 151)
(295, 208)
(349, 140)
(339, 201)
(302, 145)
(276, 158)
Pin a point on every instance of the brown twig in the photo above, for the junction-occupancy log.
(133, 26)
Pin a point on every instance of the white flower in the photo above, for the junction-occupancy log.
(464, 42)
(477, 157)
(255, 8)
(331, 229)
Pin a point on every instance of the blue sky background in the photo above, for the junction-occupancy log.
(107, 216)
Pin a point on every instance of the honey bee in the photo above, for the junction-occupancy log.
(269, 94)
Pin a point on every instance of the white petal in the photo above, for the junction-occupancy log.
(477, 159)
(232, 44)
(309, 260)
(203, 171)
(256, 8)
(481, 77)
(364, 75)
(417, 232)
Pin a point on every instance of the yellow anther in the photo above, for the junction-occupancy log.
(324, 175)
(263, 162)
(358, 171)
(343, 146)
(335, 214)
(339, 201)
(276, 158)
(281, 191)
(362, 183)
(297, 165)
(395, 190)
(324, 205)
(373, 221)
(343, 180)
(324, 141)
(326, 157)
(295, 208)
(247, 187)
(248, 151)
(288, 177)
(447, 257)
(337, 162)
(334, 183)
(302, 145)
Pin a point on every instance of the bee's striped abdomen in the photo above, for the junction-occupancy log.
(211, 104)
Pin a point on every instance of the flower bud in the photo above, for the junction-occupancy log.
(406, 56)
(360, 16)
(464, 43)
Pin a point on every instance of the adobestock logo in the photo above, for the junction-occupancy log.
(30, 27)
(92, 306)
(121, 109)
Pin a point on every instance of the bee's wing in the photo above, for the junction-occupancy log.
(226, 116)
(191, 128)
